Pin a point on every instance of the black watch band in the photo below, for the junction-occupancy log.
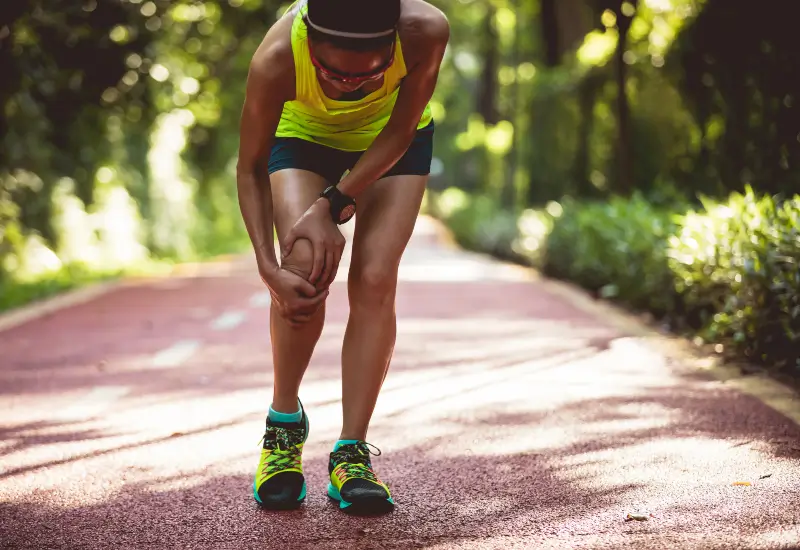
(342, 207)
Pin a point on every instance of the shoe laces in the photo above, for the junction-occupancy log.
(284, 446)
(354, 460)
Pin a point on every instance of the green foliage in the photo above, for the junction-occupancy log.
(737, 267)
(736, 64)
(617, 248)
(145, 95)
(14, 292)
(85, 90)
(478, 222)
(728, 271)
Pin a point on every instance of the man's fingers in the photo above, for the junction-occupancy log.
(305, 289)
(288, 244)
(303, 313)
(327, 270)
(315, 300)
(331, 265)
(337, 259)
(307, 305)
(318, 262)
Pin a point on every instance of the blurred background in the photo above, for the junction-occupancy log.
(647, 150)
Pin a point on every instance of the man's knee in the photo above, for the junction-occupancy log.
(301, 259)
(374, 284)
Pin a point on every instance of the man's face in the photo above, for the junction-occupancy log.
(348, 70)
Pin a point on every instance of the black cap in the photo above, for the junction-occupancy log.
(354, 19)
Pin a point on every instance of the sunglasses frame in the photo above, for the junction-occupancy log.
(349, 78)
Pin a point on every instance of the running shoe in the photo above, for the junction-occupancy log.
(279, 481)
(353, 482)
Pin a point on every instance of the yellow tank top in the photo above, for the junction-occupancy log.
(344, 125)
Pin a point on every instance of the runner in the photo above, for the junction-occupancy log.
(335, 88)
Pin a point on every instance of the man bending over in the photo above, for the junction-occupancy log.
(335, 86)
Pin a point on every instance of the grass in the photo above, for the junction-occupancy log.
(15, 293)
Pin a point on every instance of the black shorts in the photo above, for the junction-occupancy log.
(332, 163)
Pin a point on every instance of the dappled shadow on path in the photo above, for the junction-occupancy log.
(561, 472)
(525, 418)
(451, 497)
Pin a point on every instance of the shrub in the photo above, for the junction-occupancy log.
(729, 271)
(616, 248)
(478, 222)
(737, 267)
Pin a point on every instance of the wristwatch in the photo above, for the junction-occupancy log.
(342, 207)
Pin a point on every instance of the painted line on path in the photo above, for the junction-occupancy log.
(261, 299)
(176, 354)
(229, 320)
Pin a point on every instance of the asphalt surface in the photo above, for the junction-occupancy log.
(511, 418)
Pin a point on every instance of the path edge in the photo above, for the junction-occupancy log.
(748, 379)
(92, 291)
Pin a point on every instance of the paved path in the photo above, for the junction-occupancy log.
(511, 418)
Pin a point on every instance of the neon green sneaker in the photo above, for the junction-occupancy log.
(353, 482)
(279, 481)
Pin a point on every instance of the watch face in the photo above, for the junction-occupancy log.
(347, 212)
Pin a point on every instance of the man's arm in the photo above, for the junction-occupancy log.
(415, 93)
(265, 96)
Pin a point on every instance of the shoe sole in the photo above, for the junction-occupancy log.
(285, 504)
(364, 507)
(281, 504)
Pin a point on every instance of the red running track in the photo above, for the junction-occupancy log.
(511, 418)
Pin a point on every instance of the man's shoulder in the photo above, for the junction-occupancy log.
(274, 57)
(423, 28)
(420, 20)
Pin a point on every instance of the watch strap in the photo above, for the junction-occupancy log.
(342, 207)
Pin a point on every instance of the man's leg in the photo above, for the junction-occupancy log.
(385, 220)
(386, 215)
(293, 192)
(279, 481)
(384, 223)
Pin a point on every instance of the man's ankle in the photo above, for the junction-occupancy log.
(280, 412)
(344, 441)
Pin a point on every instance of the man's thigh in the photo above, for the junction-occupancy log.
(293, 192)
(299, 171)
(387, 210)
(387, 213)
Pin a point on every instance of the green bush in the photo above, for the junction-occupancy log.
(728, 271)
(737, 267)
(478, 222)
(15, 293)
(616, 248)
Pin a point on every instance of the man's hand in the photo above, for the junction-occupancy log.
(327, 241)
(296, 298)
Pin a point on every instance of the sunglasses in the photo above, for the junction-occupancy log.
(346, 78)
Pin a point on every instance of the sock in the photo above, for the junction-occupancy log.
(286, 417)
(341, 442)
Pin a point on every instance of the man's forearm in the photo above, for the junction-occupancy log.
(389, 147)
(255, 203)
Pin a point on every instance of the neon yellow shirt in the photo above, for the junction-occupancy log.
(345, 125)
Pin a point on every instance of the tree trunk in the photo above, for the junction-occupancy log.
(487, 92)
(624, 152)
(549, 23)
(587, 97)
(509, 194)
